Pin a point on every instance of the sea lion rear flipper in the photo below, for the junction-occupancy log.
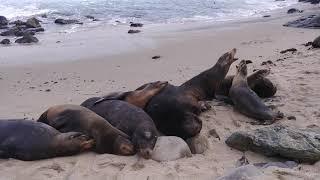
(112, 96)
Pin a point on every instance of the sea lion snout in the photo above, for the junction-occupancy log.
(86, 145)
(232, 54)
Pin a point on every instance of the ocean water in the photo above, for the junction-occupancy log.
(147, 11)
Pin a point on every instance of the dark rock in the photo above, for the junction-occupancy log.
(288, 50)
(12, 31)
(67, 21)
(248, 62)
(266, 16)
(90, 17)
(136, 24)
(310, 1)
(288, 142)
(47, 90)
(294, 10)
(27, 39)
(156, 57)
(291, 118)
(44, 16)
(4, 27)
(33, 23)
(133, 31)
(23, 33)
(316, 43)
(269, 62)
(3, 21)
(5, 41)
(18, 23)
(312, 21)
(308, 44)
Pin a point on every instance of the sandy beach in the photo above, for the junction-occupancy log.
(102, 60)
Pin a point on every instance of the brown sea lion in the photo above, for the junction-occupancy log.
(29, 140)
(246, 100)
(175, 109)
(257, 81)
(108, 139)
(130, 119)
(139, 97)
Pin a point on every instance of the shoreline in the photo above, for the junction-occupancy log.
(28, 90)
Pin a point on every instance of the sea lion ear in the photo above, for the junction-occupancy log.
(147, 134)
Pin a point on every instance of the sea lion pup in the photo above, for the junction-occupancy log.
(246, 100)
(139, 97)
(108, 139)
(130, 119)
(175, 109)
(29, 140)
(257, 81)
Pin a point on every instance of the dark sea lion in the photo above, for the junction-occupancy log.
(140, 97)
(257, 81)
(246, 100)
(130, 119)
(175, 109)
(108, 139)
(29, 140)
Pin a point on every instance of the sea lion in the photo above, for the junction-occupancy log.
(175, 109)
(29, 140)
(246, 100)
(257, 81)
(130, 119)
(140, 97)
(108, 139)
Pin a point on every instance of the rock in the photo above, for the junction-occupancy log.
(33, 23)
(249, 62)
(67, 21)
(169, 148)
(3, 21)
(294, 10)
(136, 24)
(269, 62)
(198, 144)
(308, 44)
(18, 23)
(288, 50)
(12, 31)
(156, 57)
(27, 39)
(44, 16)
(131, 31)
(90, 17)
(316, 43)
(247, 172)
(266, 16)
(311, 1)
(292, 143)
(291, 118)
(5, 41)
(4, 27)
(312, 21)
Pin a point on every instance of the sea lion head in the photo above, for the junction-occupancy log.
(144, 141)
(74, 142)
(123, 146)
(191, 125)
(242, 68)
(227, 58)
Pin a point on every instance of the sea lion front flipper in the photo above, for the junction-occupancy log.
(112, 96)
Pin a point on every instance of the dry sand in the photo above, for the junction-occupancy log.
(184, 53)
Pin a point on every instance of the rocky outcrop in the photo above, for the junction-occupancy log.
(3, 21)
(316, 43)
(312, 21)
(33, 23)
(67, 21)
(294, 10)
(311, 1)
(169, 148)
(296, 144)
(5, 41)
(26, 39)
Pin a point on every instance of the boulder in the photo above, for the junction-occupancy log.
(27, 39)
(316, 43)
(136, 24)
(292, 143)
(131, 31)
(294, 10)
(33, 23)
(169, 148)
(12, 31)
(5, 41)
(310, 1)
(198, 144)
(312, 21)
(18, 23)
(4, 27)
(67, 21)
(3, 21)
